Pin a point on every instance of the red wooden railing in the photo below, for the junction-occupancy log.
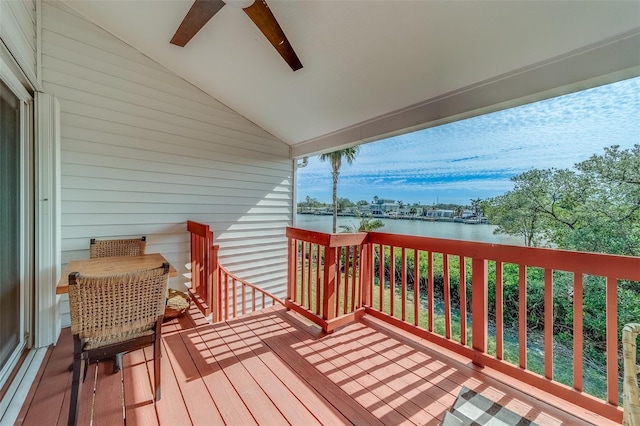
(326, 276)
(334, 277)
(215, 290)
(238, 297)
(204, 268)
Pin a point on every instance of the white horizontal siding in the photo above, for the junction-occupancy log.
(143, 151)
(18, 32)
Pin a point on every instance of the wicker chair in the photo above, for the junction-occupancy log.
(111, 248)
(113, 314)
(631, 401)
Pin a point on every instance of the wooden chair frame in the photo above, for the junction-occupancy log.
(95, 337)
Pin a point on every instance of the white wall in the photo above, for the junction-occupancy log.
(18, 32)
(143, 151)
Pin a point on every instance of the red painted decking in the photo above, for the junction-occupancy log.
(271, 368)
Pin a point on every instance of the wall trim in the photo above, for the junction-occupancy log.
(47, 318)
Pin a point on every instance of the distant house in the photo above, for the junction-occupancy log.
(383, 207)
(440, 214)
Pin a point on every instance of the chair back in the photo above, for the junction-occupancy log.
(111, 248)
(107, 308)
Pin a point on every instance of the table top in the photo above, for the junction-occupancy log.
(111, 265)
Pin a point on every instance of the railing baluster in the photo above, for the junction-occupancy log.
(578, 342)
(499, 312)
(357, 254)
(611, 283)
(226, 296)
(403, 288)
(430, 289)
(294, 293)
(447, 295)
(310, 276)
(338, 282)
(392, 280)
(347, 266)
(381, 272)
(244, 299)
(253, 298)
(234, 293)
(318, 272)
(416, 287)
(214, 274)
(462, 287)
(303, 286)
(522, 317)
(548, 323)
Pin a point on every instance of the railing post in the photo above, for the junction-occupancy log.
(366, 274)
(214, 291)
(291, 273)
(479, 302)
(329, 300)
(195, 266)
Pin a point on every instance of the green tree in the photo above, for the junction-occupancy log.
(335, 158)
(593, 208)
(612, 213)
(514, 214)
(344, 203)
(476, 207)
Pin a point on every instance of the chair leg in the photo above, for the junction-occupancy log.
(117, 362)
(75, 382)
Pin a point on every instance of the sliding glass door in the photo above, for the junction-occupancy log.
(10, 202)
(16, 218)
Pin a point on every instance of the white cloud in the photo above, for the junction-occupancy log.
(481, 153)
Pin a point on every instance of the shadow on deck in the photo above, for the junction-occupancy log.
(270, 367)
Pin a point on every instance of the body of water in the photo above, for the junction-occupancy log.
(450, 230)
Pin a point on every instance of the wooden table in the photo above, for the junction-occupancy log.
(111, 265)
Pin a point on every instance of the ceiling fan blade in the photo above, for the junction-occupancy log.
(198, 15)
(261, 15)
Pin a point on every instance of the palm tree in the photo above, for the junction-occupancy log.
(335, 158)
(367, 223)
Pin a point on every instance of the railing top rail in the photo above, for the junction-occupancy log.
(622, 267)
(328, 240)
(199, 229)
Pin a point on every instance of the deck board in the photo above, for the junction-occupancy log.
(138, 400)
(228, 402)
(109, 389)
(272, 367)
(199, 404)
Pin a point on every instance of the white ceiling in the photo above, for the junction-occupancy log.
(362, 59)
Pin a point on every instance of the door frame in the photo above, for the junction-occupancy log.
(27, 213)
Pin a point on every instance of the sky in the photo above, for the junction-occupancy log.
(476, 157)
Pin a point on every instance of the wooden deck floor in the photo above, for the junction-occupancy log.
(270, 368)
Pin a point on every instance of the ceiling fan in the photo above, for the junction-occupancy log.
(203, 10)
